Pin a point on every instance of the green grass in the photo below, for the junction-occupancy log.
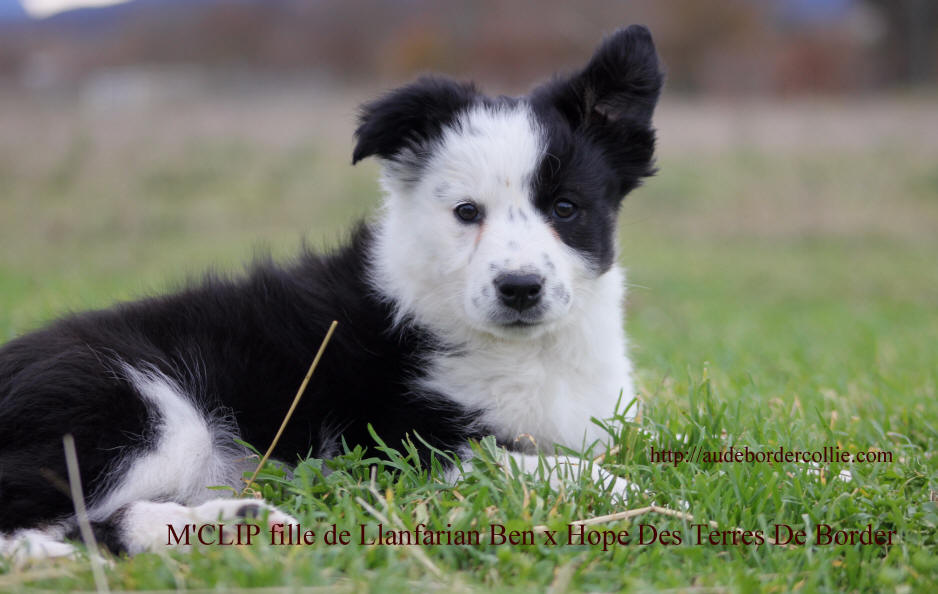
(777, 299)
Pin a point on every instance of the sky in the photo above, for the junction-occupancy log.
(41, 8)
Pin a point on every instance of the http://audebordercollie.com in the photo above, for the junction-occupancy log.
(484, 299)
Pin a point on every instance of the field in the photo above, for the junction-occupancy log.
(783, 293)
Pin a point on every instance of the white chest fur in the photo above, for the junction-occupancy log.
(545, 391)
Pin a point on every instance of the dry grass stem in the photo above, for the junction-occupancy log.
(417, 551)
(84, 525)
(296, 400)
(641, 511)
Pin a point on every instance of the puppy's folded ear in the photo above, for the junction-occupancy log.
(612, 99)
(401, 124)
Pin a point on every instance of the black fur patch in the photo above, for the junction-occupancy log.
(600, 142)
(402, 125)
(54, 382)
(109, 534)
(248, 510)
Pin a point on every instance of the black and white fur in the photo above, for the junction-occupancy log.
(484, 300)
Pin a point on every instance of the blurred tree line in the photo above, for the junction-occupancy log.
(714, 46)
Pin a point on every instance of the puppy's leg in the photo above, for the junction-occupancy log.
(556, 470)
(560, 469)
(153, 526)
(32, 544)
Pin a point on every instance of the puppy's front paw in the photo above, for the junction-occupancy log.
(222, 510)
(30, 545)
(153, 526)
(621, 489)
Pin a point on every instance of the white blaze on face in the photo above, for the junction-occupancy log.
(442, 270)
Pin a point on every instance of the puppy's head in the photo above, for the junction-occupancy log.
(500, 213)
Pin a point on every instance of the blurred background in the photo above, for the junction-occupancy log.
(144, 141)
(728, 47)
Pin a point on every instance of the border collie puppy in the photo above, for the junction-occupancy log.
(484, 300)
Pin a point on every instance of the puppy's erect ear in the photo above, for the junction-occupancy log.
(621, 81)
(402, 123)
(612, 100)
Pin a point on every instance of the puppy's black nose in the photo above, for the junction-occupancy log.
(519, 291)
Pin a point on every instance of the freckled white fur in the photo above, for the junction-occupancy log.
(191, 452)
(547, 382)
(422, 253)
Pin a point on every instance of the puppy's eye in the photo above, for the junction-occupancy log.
(564, 210)
(468, 212)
